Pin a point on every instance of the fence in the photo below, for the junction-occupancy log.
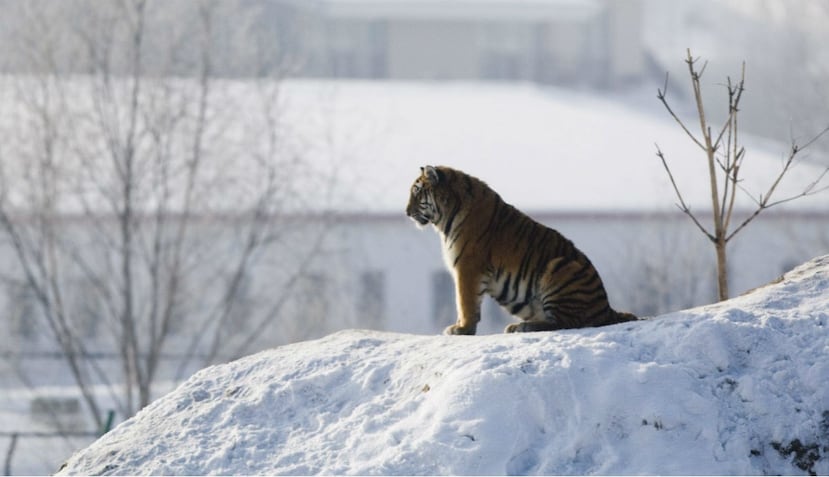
(41, 455)
(39, 461)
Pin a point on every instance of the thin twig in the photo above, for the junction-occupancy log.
(813, 140)
(682, 205)
(661, 94)
(735, 182)
(810, 189)
(736, 94)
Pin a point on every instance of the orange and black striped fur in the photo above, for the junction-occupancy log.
(531, 270)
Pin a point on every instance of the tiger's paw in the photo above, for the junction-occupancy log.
(459, 330)
(515, 328)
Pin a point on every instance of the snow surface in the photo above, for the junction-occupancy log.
(733, 388)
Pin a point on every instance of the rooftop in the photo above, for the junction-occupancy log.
(542, 149)
(514, 10)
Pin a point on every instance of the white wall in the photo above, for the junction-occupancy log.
(650, 264)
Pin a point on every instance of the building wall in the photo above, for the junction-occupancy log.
(624, 27)
(650, 264)
(422, 50)
(383, 272)
(595, 49)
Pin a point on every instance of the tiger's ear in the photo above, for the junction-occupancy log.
(431, 173)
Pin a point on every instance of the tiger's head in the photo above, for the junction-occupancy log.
(423, 205)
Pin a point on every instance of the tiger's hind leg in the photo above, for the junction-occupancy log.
(533, 325)
(573, 295)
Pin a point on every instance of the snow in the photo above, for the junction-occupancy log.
(492, 10)
(544, 149)
(541, 148)
(737, 387)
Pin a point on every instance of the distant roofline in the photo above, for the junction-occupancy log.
(389, 217)
(490, 10)
(593, 215)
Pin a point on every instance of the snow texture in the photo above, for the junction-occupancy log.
(733, 388)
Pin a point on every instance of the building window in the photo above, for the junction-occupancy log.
(313, 305)
(85, 307)
(372, 299)
(342, 49)
(505, 49)
(60, 412)
(377, 45)
(443, 298)
(307, 313)
(343, 64)
(357, 49)
(21, 311)
(241, 301)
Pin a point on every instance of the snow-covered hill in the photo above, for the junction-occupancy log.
(734, 388)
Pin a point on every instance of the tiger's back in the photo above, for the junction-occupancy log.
(531, 270)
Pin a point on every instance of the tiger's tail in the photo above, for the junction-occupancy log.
(621, 317)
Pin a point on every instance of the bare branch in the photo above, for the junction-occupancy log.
(702, 70)
(142, 151)
(733, 154)
(811, 141)
(764, 201)
(735, 93)
(682, 205)
(735, 182)
(661, 94)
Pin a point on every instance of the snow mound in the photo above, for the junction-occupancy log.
(738, 387)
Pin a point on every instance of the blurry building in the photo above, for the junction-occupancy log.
(594, 42)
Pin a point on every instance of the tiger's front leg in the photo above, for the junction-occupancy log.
(468, 298)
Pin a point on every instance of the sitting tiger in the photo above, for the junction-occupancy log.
(532, 271)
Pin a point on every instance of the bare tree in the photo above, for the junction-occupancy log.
(157, 193)
(724, 156)
(670, 273)
(783, 39)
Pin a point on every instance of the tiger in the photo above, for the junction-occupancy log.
(490, 247)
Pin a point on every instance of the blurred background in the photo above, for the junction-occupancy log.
(185, 182)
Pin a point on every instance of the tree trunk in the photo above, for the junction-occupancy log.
(722, 269)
